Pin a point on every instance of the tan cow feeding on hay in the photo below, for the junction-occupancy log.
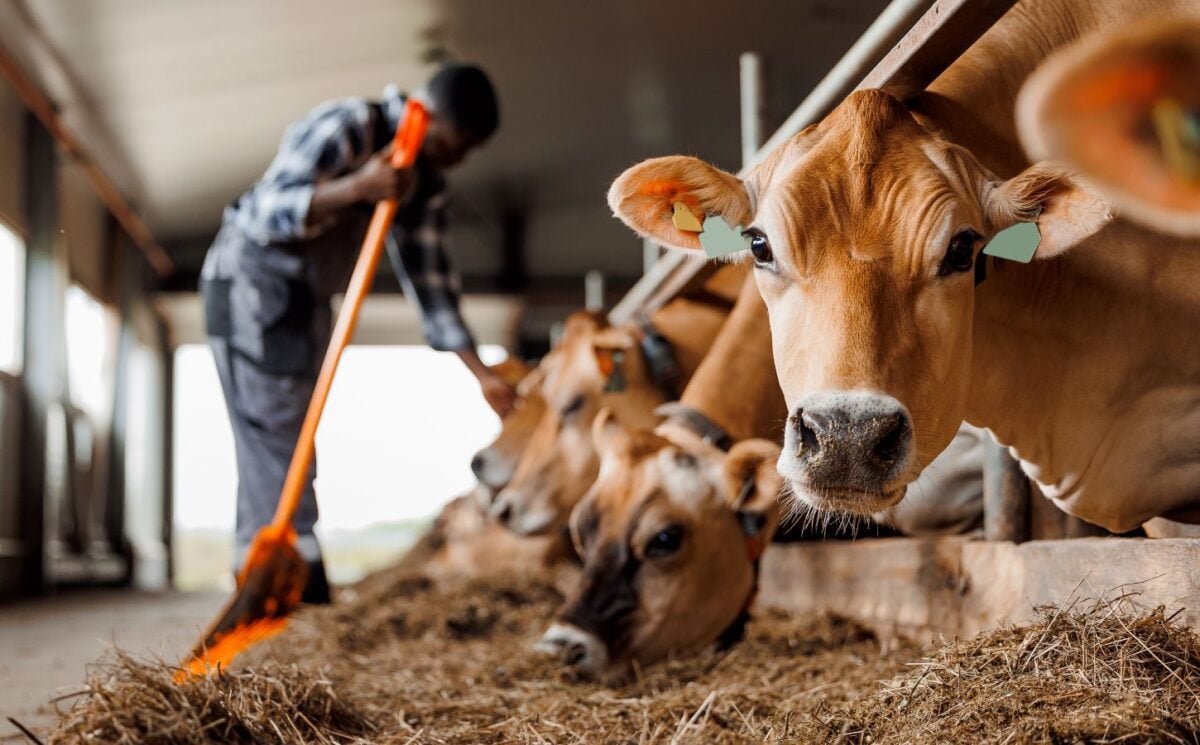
(866, 233)
(672, 542)
(598, 365)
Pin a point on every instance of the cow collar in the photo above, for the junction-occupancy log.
(752, 526)
(660, 358)
(704, 428)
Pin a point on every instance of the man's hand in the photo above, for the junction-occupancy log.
(376, 180)
(499, 394)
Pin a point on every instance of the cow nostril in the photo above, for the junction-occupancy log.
(503, 511)
(808, 426)
(892, 444)
(574, 653)
(477, 465)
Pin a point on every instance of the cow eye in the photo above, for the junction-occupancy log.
(760, 247)
(960, 254)
(574, 406)
(665, 542)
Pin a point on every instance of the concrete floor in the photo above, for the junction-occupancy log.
(47, 644)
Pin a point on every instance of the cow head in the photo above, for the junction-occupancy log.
(670, 535)
(864, 231)
(494, 464)
(1123, 107)
(594, 365)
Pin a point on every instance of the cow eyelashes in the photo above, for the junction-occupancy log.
(665, 542)
(760, 247)
(960, 254)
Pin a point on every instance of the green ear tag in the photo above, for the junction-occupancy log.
(1017, 243)
(719, 239)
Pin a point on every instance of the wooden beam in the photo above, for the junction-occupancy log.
(107, 192)
(935, 40)
(930, 588)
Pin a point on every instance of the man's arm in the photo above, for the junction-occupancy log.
(423, 267)
(322, 168)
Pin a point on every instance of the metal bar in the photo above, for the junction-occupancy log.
(41, 379)
(1006, 496)
(903, 50)
(750, 66)
(108, 193)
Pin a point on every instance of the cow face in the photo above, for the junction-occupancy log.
(494, 465)
(1123, 107)
(669, 535)
(592, 361)
(864, 231)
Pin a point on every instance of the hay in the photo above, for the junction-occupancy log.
(404, 660)
(1106, 672)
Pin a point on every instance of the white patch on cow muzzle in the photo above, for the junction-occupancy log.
(848, 450)
(575, 647)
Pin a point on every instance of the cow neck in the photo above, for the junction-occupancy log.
(689, 327)
(735, 386)
(659, 354)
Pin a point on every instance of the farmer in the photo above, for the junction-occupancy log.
(290, 241)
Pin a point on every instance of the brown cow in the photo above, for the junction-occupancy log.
(866, 233)
(596, 365)
(654, 508)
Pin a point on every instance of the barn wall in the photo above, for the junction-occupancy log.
(11, 185)
(84, 222)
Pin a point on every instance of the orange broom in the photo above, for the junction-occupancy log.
(272, 580)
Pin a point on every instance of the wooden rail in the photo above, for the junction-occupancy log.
(940, 588)
(904, 66)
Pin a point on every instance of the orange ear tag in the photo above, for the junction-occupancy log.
(684, 219)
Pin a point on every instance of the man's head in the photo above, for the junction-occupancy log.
(464, 113)
(669, 534)
(864, 231)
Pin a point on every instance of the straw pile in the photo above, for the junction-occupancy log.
(406, 661)
(1109, 671)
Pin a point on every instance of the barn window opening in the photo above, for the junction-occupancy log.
(394, 446)
(12, 300)
(88, 347)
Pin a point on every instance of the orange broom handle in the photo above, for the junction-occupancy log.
(409, 135)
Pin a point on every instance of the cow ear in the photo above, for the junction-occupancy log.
(609, 435)
(644, 198)
(609, 345)
(752, 484)
(1066, 208)
(1091, 104)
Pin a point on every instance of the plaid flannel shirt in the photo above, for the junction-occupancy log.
(334, 139)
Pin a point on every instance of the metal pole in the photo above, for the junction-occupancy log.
(593, 291)
(1006, 496)
(750, 65)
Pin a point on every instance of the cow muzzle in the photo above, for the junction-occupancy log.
(848, 451)
(575, 648)
(491, 468)
(513, 510)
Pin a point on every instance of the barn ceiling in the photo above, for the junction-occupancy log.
(184, 102)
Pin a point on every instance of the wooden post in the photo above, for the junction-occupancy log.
(1005, 496)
